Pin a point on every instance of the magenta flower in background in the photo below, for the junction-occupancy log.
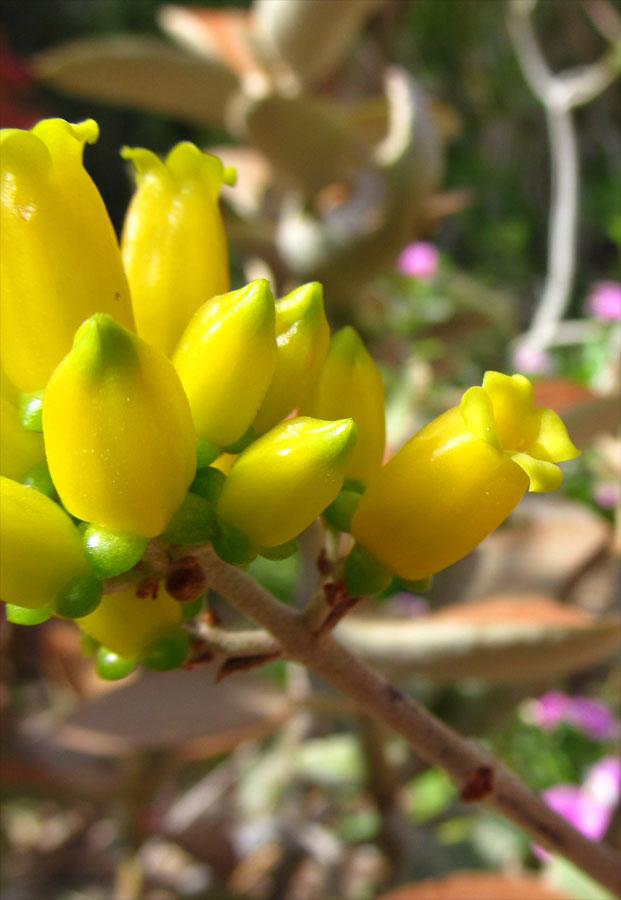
(529, 359)
(591, 716)
(604, 301)
(607, 494)
(590, 806)
(418, 260)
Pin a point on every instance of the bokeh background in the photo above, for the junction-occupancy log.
(395, 151)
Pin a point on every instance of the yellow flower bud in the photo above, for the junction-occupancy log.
(40, 546)
(60, 257)
(20, 450)
(455, 481)
(173, 244)
(226, 359)
(302, 337)
(350, 385)
(286, 478)
(127, 623)
(118, 432)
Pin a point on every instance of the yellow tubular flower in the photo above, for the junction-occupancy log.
(350, 385)
(286, 478)
(20, 450)
(173, 244)
(302, 337)
(127, 623)
(40, 546)
(226, 358)
(118, 432)
(456, 480)
(60, 258)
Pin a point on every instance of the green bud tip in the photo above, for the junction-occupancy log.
(112, 667)
(305, 302)
(100, 342)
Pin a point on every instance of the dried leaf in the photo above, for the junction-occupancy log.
(141, 73)
(502, 639)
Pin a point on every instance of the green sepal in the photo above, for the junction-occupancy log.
(244, 441)
(39, 479)
(352, 484)
(193, 523)
(206, 452)
(167, 652)
(191, 609)
(20, 615)
(112, 667)
(81, 596)
(30, 410)
(233, 546)
(420, 586)
(341, 511)
(88, 645)
(111, 553)
(281, 551)
(208, 483)
(363, 574)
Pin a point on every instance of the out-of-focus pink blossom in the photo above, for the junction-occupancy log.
(604, 301)
(589, 715)
(530, 359)
(590, 806)
(418, 260)
(607, 494)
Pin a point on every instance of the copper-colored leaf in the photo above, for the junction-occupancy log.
(181, 709)
(142, 73)
(504, 639)
(476, 886)
(311, 38)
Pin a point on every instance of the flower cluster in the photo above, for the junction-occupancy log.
(142, 398)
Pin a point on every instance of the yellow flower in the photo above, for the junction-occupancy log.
(350, 385)
(118, 432)
(226, 359)
(173, 243)
(456, 480)
(60, 258)
(128, 623)
(20, 450)
(302, 337)
(286, 478)
(40, 546)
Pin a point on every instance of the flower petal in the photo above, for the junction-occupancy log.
(552, 442)
(478, 414)
(544, 476)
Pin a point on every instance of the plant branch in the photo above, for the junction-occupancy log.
(478, 775)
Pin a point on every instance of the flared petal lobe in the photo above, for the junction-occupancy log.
(60, 258)
(118, 431)
(456, 480)
(173, 243)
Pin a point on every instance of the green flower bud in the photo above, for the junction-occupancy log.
(81, 596)
(111, 553)
(31, 410)
(112, 667)
(350, 385)
(363, 574)
(225, 359)
(283, 481)
(19, 615)
(168, 652)
(193, 523)
(118, 432)
(302, 337)
(208, 483)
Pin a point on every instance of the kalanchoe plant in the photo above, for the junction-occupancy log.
(132, 423)
(172, 464)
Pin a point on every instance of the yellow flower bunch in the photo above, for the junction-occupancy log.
(142, 398)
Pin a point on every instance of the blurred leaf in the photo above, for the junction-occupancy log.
(331, 760)
(575, 884)
(482, 885)
(502, 639)
(141, 73)
(429, 794)
(312, 38)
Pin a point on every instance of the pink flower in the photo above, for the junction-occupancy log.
(529, 359)
(589, 715)
(418, 260)
(604, 301)
(607, 494)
